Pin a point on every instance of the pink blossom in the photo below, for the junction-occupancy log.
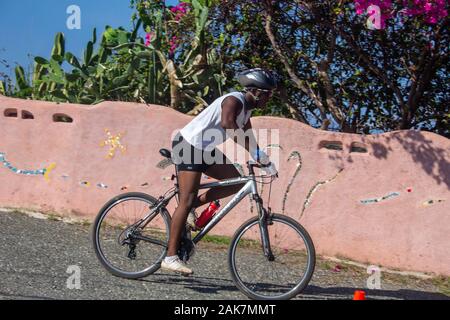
(378, 11)
(432, 20)
(428, 7)
(360, 10)
(180, 10)
(430, 10)
(173, 45)
(148, 38)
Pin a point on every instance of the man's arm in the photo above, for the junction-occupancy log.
(253, 148)
(251, 145)
(231, 107)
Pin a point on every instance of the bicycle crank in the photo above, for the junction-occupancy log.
(187, 246)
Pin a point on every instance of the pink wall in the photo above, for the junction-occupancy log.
(409, 229)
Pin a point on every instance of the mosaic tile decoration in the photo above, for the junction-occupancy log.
(307, 202)
(114, 143)
(375, 200)
(45, 172)
(294, 154)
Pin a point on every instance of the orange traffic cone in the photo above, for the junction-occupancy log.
(359, 295)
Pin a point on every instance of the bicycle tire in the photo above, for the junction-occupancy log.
(311, 258)
(95, 233)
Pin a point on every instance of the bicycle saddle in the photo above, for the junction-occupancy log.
(165, 153)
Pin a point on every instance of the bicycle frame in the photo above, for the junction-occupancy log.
(248, 188)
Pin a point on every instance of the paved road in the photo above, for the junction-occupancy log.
(35, 255)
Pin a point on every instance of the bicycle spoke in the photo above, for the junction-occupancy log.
(125, 248)
(287, 273)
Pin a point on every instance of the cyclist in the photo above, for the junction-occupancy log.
(197, 141)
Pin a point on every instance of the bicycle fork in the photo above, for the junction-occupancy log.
(264, 221)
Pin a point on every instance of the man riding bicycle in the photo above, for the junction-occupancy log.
(197, 142)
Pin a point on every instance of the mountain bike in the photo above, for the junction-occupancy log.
(271, 256)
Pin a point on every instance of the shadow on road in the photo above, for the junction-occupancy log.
(9, 296)
(218, 285)
(195, 283)
(405, 294)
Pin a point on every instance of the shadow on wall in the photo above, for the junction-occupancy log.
(422, 150)
(426, 153)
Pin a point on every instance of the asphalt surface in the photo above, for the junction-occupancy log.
(36, 255)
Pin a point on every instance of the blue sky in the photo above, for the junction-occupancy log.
(29, 26)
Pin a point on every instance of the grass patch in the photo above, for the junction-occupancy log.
(226, 241)
(443, 284)
(85, 223)
(339, 266)
(217, 240)
(52, 217)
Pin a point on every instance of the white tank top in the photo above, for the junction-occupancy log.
(205, 132)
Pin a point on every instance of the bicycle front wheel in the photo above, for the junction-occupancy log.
(126, 247)
(282, 277)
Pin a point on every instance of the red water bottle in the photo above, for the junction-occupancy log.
(207, 214)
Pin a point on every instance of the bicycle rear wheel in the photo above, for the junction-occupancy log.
(124, 248)
(288, 273)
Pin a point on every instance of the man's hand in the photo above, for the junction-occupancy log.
(271, 170)
(260, 156)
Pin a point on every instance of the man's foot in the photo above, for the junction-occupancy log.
(175, 264)
(191, 219)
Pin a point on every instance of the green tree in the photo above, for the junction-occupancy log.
(337, 72)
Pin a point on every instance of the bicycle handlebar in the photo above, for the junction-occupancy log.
(252, 164)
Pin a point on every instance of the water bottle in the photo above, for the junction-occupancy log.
(207, 214)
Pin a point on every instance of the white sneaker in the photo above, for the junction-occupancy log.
(177, 266)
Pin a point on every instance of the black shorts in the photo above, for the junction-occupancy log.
(188, 158)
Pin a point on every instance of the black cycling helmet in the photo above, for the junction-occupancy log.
(257, 78)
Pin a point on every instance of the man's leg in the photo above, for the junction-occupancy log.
(188, 182)
(219, 172)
